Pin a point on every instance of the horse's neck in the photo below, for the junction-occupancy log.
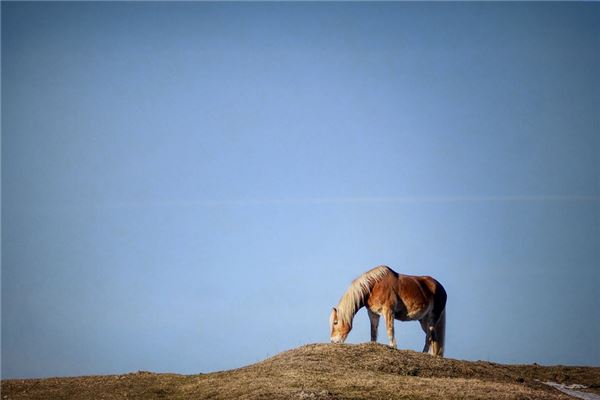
(356, 296)
(348, 308)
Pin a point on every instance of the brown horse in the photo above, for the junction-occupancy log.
(395, 296)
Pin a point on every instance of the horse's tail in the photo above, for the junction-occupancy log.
(438, 339)
(439, 328)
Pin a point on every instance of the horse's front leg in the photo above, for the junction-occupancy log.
(389, 323)
(374, 318)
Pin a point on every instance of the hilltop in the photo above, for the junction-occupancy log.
(325, 371)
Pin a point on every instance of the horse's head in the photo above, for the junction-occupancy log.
(339, 329)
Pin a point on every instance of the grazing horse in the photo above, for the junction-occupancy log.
(395, 296)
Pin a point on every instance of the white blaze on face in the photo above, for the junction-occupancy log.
(332, 318)
(335, 336)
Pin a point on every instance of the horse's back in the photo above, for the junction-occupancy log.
(410, 296)
(419, 295)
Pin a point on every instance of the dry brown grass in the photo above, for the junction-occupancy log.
(324, 371)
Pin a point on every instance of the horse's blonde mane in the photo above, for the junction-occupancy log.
(358, 290)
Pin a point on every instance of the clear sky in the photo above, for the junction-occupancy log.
(189, 187)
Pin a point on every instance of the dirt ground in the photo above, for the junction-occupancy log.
(325, 371)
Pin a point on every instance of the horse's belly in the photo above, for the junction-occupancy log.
(414, 313)
(402, 316)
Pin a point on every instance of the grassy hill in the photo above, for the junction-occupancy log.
(325, 371)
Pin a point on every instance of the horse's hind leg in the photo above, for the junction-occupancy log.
(434, 328)
(425, 326)
(374, 318)
(438, 335)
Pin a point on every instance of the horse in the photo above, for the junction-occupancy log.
(395, 296)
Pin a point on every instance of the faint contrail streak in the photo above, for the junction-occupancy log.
(382, 199)
(312, 200)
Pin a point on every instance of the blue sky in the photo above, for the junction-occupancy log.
(189, 187)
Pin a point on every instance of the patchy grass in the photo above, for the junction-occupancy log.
(324, 371)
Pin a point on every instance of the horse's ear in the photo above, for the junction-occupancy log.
(335, 310)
